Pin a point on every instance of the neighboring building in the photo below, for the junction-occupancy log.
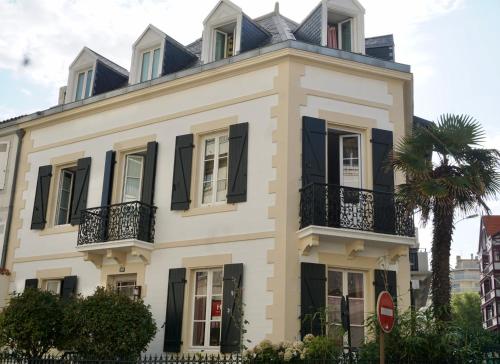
(420, 276)
(489, 262)
(466, 275)
(243, 165)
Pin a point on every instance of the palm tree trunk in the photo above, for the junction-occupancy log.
(441, 245)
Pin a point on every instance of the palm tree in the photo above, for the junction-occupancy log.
(461, 178)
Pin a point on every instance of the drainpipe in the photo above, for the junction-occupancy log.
(20, 134)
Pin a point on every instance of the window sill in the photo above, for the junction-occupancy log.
(59, 229)
(204, 210)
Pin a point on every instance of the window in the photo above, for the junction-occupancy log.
(207, 308)
(125, 284)
(214, 164)
(133, 176)
(224, 42)
(496, 255)
(339, 34)
(345, 35)
(350, 172)
(84, 84)
(4, 157)
(487, 285)
(489, 312)
(341, 283)
(64, 196)
(53, 286)
(150, 64)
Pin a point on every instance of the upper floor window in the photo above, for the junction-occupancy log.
(84, 84)
(133, 177)
(65, 196)
(150, 65)
(224, 42)
(350, 173)
(214, 164)
(207, 308)
(339, 33)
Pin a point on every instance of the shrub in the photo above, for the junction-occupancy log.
(108, 325)
(31, 324)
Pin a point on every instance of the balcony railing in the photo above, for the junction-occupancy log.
(354, 208)
(129, 220)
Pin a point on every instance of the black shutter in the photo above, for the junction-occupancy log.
(312, 298)
(107, 184)
(80, 189)
(238, 163)
(383, 181)
(148, 188)
(181, 185)
(175, 306)
(68, 286)
(232, 296)
(385, 280)
(41, 197)
(31, 283)
(313, 151)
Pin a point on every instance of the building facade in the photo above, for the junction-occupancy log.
(247, 168)
(489, 263)
(465, 276)
(420, 276)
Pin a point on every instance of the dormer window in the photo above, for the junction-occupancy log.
(339, 32)
(224, 42)
(84, 84)
(150, 66)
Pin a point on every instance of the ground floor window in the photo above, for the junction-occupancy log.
(207, 308)
(52, 285)
(125, 284)
(343, 283)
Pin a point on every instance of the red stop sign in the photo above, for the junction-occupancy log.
(385, 311)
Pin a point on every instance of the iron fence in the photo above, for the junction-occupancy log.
(354, 208)
(129, 220)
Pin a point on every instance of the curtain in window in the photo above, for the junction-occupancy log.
(332, 41)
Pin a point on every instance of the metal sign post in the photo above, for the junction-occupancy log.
(386, 319)
(346, 321)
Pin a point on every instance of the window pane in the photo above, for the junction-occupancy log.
(350, 162)
(200, 308)
(357, 336)
(214, 333)
(221, 190)
(201, 283)
(216, 308)
(220, 45)
(223, 146)
(198, 333)
(64, 198)
(133, 178)
(88, 84)
(134, 166)
(217, 282)
(335, 283)
(346, 36)
(79, 86)
(334, 309)
(356, 311)
(53, 286)
(145, 67)
(132, 189)
(209, 149)
(355, 285)
(156, 63)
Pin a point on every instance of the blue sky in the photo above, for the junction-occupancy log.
(452, 46)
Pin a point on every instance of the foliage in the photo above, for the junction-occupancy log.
(463, 176)
(31, 324)
(420, 337)
(108, 325)
(312, 348)
(466, 311)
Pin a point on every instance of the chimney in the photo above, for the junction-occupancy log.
(62, 95)
(277, 8)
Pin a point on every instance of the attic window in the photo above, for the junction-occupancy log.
(339, 32)
(224, 41)
(150, 65)
(84, 84)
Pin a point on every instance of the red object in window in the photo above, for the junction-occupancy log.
(216, 308)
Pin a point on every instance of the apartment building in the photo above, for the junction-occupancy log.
(489, 263)
(465, 276)
(246, 168)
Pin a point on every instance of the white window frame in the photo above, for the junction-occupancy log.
(341, 158)
(46, 285)
(345, 291)
(84, 86)
(215, 176)
(150, 65)
(214, 38)
(125, 170)
(59, 195)
(208, 308)
(339, 34)
(4, 162)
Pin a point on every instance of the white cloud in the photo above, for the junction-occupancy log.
(48, 34)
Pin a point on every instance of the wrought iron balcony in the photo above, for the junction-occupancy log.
(129, 220)
(354, 208)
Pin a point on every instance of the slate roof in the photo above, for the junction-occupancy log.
(380, 41)
(109, 63)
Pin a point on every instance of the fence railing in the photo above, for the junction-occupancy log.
(129, 220)
(354, 208)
